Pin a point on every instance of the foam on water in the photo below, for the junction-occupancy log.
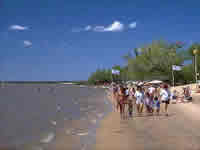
(48, 139)
(100, 115)
(37, 148)
(94, 121)
(82, 134)
(53, 123)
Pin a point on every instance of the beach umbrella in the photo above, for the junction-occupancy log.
(156, 82)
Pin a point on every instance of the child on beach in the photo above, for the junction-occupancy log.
(156, 105)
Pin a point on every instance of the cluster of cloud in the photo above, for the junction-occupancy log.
(116, 26)
(26, 43)
(132, 25)
(18, 27)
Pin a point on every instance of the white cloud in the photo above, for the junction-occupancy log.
(116, 26)
(88, 28)
(132, 25)
(27, 43)
(99, 29)
(18, 27)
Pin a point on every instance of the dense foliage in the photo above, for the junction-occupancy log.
(154, 61)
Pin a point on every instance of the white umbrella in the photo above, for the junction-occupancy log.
(140, 83)
(155, 82)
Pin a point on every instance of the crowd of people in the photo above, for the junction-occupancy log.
(149, 98)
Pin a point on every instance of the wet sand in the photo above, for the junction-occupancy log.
(180, 130)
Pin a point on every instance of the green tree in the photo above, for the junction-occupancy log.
(155, 60)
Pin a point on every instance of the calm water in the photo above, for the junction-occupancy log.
(36, 114)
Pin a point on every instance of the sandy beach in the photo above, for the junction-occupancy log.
(180, 130)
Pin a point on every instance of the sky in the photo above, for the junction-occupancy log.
(69, 39)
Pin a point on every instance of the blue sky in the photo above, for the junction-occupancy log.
(67, 40)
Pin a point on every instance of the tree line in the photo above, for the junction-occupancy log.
(154, 61)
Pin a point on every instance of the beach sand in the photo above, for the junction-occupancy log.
(180, 130)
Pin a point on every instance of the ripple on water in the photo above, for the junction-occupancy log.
(100, 115)
(68, 132)
(83, 118)
(83, 109)
(82, 134)
(53, 123)
(37, 148)
(94, 121)
(48, 138)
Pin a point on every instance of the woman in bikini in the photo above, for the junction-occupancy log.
(131, 101)
(121, 100)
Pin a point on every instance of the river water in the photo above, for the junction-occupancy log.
(40, 116)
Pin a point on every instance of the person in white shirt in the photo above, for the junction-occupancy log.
(139, 99)
(151, 90)
(165, 97)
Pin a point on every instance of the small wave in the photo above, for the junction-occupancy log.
(48, 139)
(37, 148)
(100, 115)
(94, 121)
(83, 118)
(58, 108)
(75, 103)
(53, 123)
(83, 134)
(68, 132)
(82, 86)
(106, 102)
(83, 109)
